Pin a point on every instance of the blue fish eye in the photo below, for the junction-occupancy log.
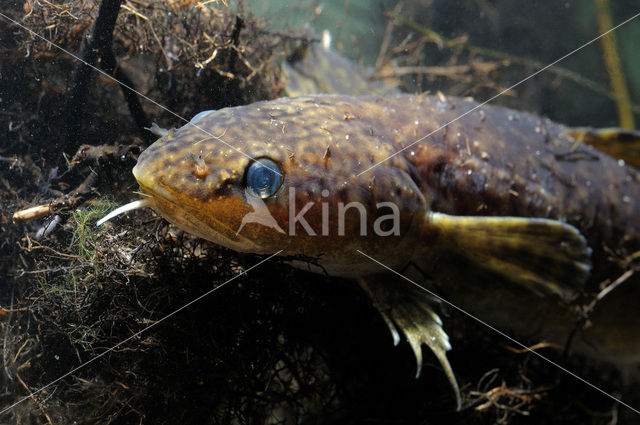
(263, 177)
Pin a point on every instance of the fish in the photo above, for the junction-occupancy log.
(518, 222)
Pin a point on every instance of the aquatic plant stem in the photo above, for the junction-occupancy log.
(96, 50)
(614, 66)
(443, 41)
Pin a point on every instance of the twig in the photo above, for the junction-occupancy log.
(96, 51)
(558, 70)
(70, 200)
(386, 40)
(442, 71)
(5, 343)
(63, 203)
(34, 399)
(101, 35)
(535, 347)
(613, 65)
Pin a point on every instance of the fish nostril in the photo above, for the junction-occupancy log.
(200, 172)
(200, 168)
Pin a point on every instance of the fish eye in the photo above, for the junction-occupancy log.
(263, 177)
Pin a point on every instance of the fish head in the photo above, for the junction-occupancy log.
(283, 175)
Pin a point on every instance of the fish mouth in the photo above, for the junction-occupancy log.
(172, 208)
(182, 211)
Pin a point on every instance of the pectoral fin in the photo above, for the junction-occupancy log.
(545, 255)
(406, 310)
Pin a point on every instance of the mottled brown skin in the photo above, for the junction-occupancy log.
(492, 162)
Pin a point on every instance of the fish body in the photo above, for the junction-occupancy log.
(518, 222)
